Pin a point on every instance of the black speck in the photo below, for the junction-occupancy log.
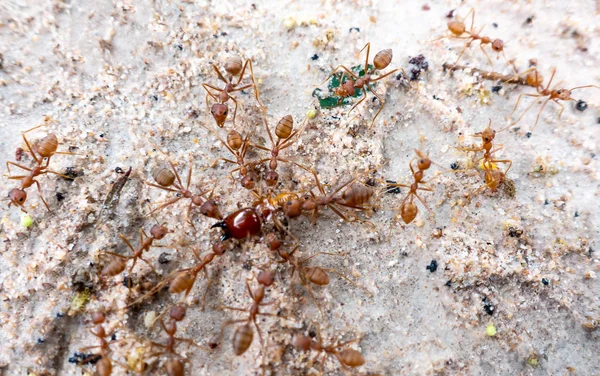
(60, 196)
(454, 166)
(581, 105)
(314, 57)
(495, 24)
(179, 47)
(59, 315)
(488, 307)
(450, 14)
(576, 214)
(72, 173)
(546, 202)
(101, 134)
(401, 76)
(496, 89)
(545, 282)
(113, 337)
(371, 182)
(357, 29)
(312, 334)
(449, 283)
(40, 340)
(119, 170)
(528, 134)
(515, 233)
(127, 282)
(164, 258)
(246, 266)
(529, 20)
(155, 98)
(391, 189)
(318, 93)
(421, 65)
(432, 267)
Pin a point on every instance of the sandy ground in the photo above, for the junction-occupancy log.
(115, 80)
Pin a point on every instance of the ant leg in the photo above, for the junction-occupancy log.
(127, 242)
(57, 173)
(424, 204)
(256, 92)
(583, 87)
(368, 47)
(562, 108)
(37, 183)
(359, 102)
(147, 263)
(524, 112)
(348, 280)
(208, 283)
(385, 75)
(312, 295)
(234, 109)
(17, 165)
(551, 78)
(161, 187)
(216, 69)
(335, 70)
(487, 56)
(208, 93)
(38, 161)
(165, 204)
(462, 52)
(539, 114)
(503, 161)
(260, 337)
(380, 107)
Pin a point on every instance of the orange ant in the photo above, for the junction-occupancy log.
(307, 274)
(554, 95)
(347, 357)
(104, 365)
(238, 146)
(233, 67)
(408, 209)
(286, 136)
(492, 176)
(183, 280)
(175, 365)
(119, 262)
(44, 149)
(354, 196)
(381, 61)
(166, 179)
(244, 334)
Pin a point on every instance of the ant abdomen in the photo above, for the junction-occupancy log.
(350, 358)
(317, 275)
(284, 127)
(242, 339)
(383, 59)
(163, 176)
(47, 146)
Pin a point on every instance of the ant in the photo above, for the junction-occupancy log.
(458, 28)
(165, 180)
(554, 95)
(119, 262)
(45, 149)
(381, 61)
(286, 136)
(347, 357)
(244, 334)
(104, 365)
(233, 67)
(492, 176)
(313, 274)
(183, 280)
(175, 365)
(408, 209)
(354, 196)
(238, 146)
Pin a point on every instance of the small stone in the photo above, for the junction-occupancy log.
(581, 105)
(432, 267)
(545, 281)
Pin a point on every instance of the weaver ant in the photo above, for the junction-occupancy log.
(175, 364)
(554, 95)
(347, 357)
(381, 61)
(492, 175)
(408, 209)
(233, 67)
(169, 180)
(104, 364)
(244, 334)
(119, 262)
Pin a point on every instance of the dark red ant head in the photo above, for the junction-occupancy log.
(346, 89)
(248, 181)
(265, 278)
(563, 94)
(159, 231)
(177, 313)
(98, 318)
(497, 45)
(219, 248)
(272, 241)
(219, 112)
(301, 342)
(456, 27)
(292, 208)
(210, 209)
(271, 178)
(17, 196)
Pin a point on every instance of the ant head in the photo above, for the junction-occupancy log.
(159, 231)
(272, 241)
(98, 317)
(292, 208)
(218, 248)
(563, 94)
(488, 133)
(265, 278)
(17, 196)
(497, 45)
(347, 88)
(457, 27)
(210, 209)
(177, 313)
(233, 66)
(248, 181)
(301, 342)
(271, 178)
(219, 112)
